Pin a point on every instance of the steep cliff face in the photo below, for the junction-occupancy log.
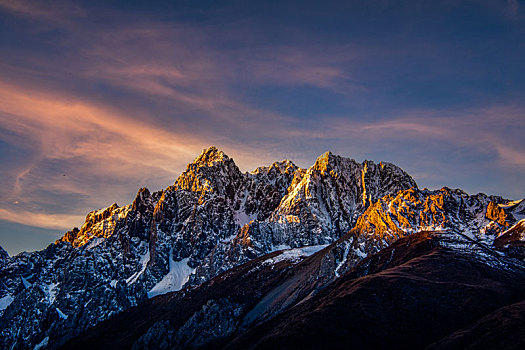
(213, 218)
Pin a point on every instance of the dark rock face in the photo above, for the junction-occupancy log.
(215, 218)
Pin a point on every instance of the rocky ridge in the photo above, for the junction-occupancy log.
(213, 218)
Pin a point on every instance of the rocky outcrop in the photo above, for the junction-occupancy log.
(99, 224)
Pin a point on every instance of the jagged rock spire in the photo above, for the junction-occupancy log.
(209, 156)
(211, 172)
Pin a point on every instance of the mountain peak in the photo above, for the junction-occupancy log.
(324, 159)
(3, 254)
(211, 171)
(328, 161)
(283, 167)
(210, 156)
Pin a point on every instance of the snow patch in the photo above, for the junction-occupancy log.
(6, 301)
(94, 242)
(42, 344)
(280, 247)
(178, 275)
(228, 239)
(519, 227)
(242, 218)
(26, 283)
(296, 253)
(345, 256)
(510, 204)
(61, 314)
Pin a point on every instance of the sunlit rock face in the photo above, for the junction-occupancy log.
(99, 224)
(512, 241)
(331, 195)
(213, 218)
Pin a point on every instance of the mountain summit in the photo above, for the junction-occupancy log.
(214, 219)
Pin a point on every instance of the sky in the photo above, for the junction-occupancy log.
(100, 98)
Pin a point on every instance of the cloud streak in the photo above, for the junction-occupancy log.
(52, 221)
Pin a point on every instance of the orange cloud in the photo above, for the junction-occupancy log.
(53, 221)
(99, 142)
(68, 128)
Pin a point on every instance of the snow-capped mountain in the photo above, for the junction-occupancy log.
(215, 218)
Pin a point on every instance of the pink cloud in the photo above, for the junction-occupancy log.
(52, 221)
(94, 141)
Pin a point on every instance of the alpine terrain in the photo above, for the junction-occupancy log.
(340, 255)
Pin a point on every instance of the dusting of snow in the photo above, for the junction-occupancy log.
(178, 275)
(289, 219)
(50, 292)
(144, 261)
(93, 229)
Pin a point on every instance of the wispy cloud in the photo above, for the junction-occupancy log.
(52, 221)
(54, 11)
(97, 153)
(82, 141)
(511, 156)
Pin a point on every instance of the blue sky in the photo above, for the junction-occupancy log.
(98, 98)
